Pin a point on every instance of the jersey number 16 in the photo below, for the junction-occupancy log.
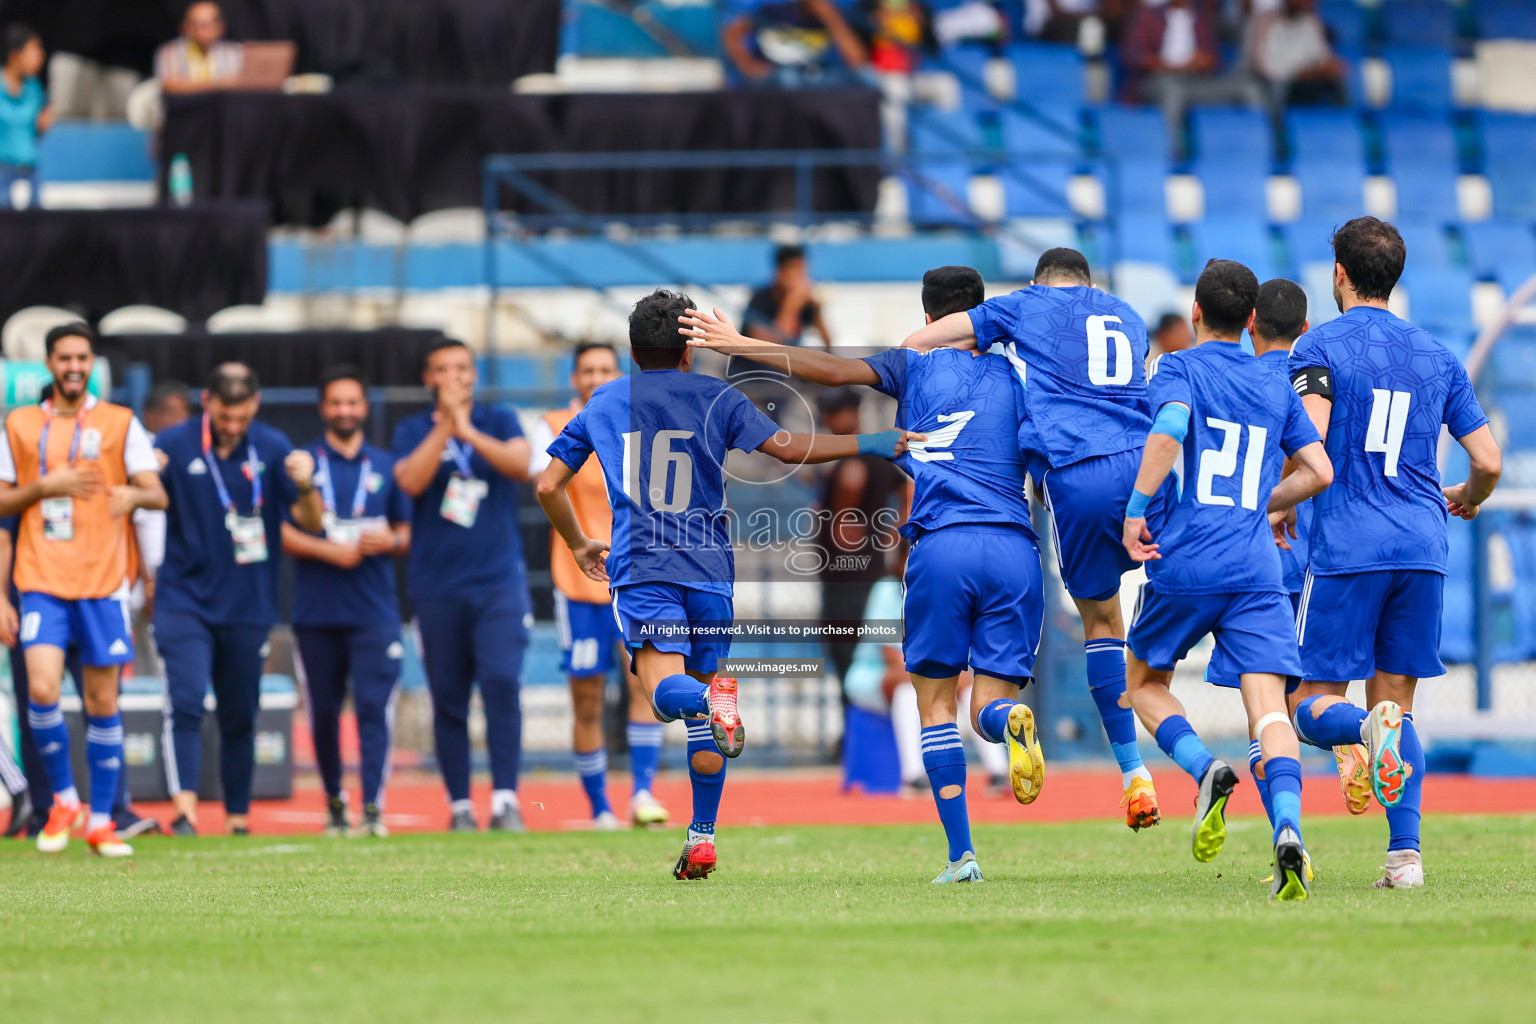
(667, 467)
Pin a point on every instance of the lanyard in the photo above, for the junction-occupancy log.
(252, 467)
(42, 442)
(460, 458)
(327, 488)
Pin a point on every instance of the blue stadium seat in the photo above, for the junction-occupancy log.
(1328, 158)
(1420, 22)
(1233, 158)
(1346, 20)
(1244, 239)
(926, 209)
(1513, 362)
(1137, 138)
(1505, 19)
(1060, 134)
(1047, 75)
(1495, 243)
(1513, 275)
(1509, 153)
(930, 130)
(1145, 237)
(83, 151)
(592, 31)
(1439, 299)
(1039, 190)
(1307, 241)
(697, 25)
(1421, 77)
(1422, 160)
(1427, 242)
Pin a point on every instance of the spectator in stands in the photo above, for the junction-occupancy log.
(1172, 334)
(781, 310)
(1288, 49)
(1061, 21)
(24, 110)
(199, 59)
(858, 505)
(1170, 57)
(789, 42)
(896, 31)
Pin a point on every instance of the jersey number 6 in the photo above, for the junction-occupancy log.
(1100, 334)
(663, 461)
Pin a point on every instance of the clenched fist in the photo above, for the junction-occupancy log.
(300, 465)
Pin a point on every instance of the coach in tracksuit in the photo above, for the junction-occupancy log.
(230, 481)
(346, 616)
(460, 462)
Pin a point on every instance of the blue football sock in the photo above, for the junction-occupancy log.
(51, 736)
(1403, 820)
(1177, 739)
(592, 767)
(1260, 782)
(104, 754)
(1106, 683)
(1284, 776)
(681, 696)
(992, 721)
(1337, 726)
(707, 787)
(644, 753)
(944, 760)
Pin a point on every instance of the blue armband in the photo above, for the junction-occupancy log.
(1173, 420)
(1136, 508)
(882, 444)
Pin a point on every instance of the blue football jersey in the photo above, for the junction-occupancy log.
(1393, 387)
(1293, 563)
(1244, 420)
(1083, 353)
(661, 437)
(970, 470)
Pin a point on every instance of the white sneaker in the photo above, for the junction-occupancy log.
(1404, 870)
(606, 822)
(645, 810)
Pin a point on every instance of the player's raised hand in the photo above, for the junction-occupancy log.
(592, 557)
(300, 465)
(1456, 503)
(68, 481)
(715, 332)
(1138, 541)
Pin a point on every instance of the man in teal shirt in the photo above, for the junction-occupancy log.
(24, 110)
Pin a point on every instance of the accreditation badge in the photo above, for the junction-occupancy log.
(249, 534)
(461, 501)
(58, 518)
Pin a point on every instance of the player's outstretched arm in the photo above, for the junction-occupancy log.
(1313, 474)
(1157, 460)
(952, 331)
(717, 333)
(799, 449)
(591, 555)
(1464, 500)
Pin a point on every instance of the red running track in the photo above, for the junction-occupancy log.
(416, 802)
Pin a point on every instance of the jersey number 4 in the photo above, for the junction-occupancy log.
(1389, 421)
(1222, 462)
(667, 467)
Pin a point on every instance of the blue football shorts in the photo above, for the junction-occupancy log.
(973, 598)
(1220, 671)
(588, 635)
(1354, 625)
(675, 619)
(99, 626)
(1254, 632)
(1087, 501)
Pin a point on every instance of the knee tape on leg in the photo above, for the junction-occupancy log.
(1273, 718)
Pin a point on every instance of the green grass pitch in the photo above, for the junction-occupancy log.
(1074, 923)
